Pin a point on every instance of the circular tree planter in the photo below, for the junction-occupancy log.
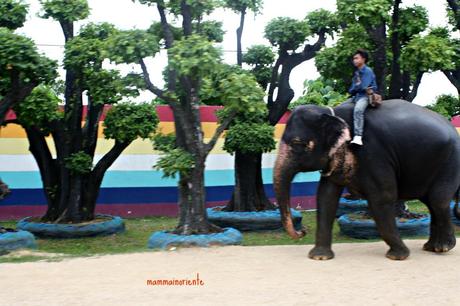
(165, 239)
(102, 225)
(251, 220)
(347, 206)
(13, 240)
(454, 219)
(359, 225)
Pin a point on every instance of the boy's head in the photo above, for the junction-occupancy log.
(360, 58)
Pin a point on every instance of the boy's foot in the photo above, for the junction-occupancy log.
(357, 140)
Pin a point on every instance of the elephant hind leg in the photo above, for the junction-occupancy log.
(383, 212)
(442, 234)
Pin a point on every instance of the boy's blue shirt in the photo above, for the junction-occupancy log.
(367, 77)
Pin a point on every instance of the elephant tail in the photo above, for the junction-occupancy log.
(456, 207)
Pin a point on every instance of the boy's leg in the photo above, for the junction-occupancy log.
(358, 118)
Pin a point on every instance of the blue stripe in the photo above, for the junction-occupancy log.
(122, 179)
(140, 195)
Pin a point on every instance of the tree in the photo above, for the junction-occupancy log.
(431, 52)
(72, 179)
(192, 61)
(287, 35)
(319, 92)
(446, 105)
(454, 12)
(22, 66)
(250, 136)
(241, 7)
(453, 74)
(388, 31)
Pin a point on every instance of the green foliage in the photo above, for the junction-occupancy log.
(287, 33)
(104, 86)
(259, 55)
(453, 17)
(198, 7)
(132, 45)
(249, 137)
(164, 143)
(446, 105)
(13, 13)
(244, 5)
(322, 21)
(83, 54)
(261, 59)
(101, 31)
(65, 10)
(87, 51)
(428, 53)
(367, 13)
(412, 21)
(241, 93)
(211, 29)
(19, 55)
(248, 132)
(194, 56)
(334, 63)
(39, 109)
(156, 29)
(127, 121)
(79, 163)
(132, 84)
(175, 161)
(320, 92)
(209, 93)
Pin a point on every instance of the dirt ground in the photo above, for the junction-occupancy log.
(267, 275)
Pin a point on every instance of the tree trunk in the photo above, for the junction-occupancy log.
(396, 76)
(239, 35)
(193, 217)
(379, 56)
(249, 193)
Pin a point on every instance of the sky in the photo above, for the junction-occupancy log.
(127, 15)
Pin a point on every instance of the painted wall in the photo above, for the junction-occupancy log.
(131, 187)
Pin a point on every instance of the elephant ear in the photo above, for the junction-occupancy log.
(335, 131)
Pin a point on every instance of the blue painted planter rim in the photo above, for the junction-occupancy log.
(164, 239)
(17, 240)
(114, 225)
(250, 215)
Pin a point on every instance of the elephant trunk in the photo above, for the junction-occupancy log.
(283, 174)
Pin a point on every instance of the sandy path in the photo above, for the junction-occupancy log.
(268, 275)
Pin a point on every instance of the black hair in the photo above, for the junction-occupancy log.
(363, 53)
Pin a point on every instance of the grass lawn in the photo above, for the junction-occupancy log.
(138, 230)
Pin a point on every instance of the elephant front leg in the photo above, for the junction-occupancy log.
(328, 196)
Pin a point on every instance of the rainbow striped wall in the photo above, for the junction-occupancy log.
(131, 187)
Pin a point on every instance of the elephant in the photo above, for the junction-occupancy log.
(409, 153)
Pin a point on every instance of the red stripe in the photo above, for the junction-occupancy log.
(15, 212)
(164, 112)
(456, 121)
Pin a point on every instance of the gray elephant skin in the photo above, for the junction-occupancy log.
(409, 152)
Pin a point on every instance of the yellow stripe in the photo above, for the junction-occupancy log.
(20, 146)
(16, 131)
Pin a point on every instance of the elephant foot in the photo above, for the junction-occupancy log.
(440, 246)
(321, 253)
(398, 254)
